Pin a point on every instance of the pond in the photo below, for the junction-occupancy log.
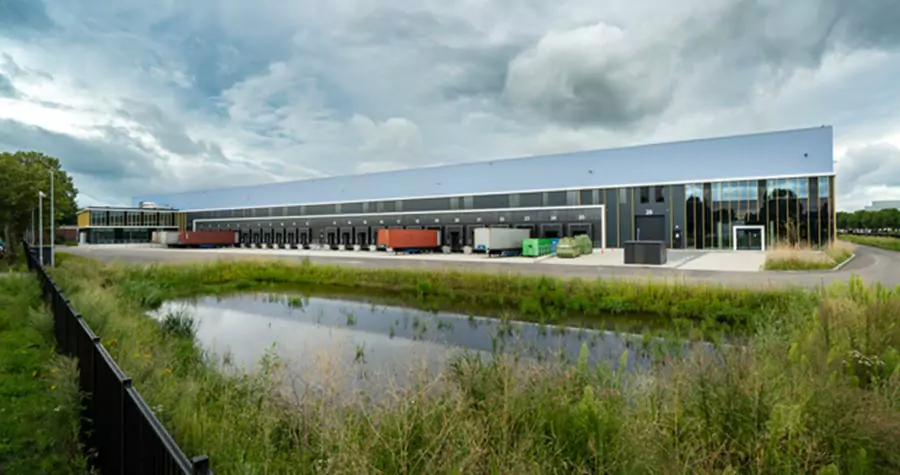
(324, 340)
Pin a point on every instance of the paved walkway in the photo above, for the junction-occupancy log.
(873, 265)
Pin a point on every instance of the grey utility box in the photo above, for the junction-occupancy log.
(645, 252)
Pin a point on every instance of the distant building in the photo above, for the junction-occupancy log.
(109, 225)
(880, 205)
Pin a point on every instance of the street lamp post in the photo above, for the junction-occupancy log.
(52, 219)
(41, 227)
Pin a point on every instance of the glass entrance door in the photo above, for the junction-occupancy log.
(749, 238)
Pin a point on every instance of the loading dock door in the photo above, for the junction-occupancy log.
(453, 237)
(529, 227)
(551, 231)
(650, 228)
(347, 236)
(331, 237)
(577, 229)
(303, 237)
(362, 235)
(580, 228)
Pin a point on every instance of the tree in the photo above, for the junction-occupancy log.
(885, 220)
(22, 176)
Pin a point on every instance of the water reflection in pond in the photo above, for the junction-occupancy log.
(322, 339)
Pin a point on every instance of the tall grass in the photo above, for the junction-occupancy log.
(39, 398)
(889, 243)
(816, 390)
(785, 256)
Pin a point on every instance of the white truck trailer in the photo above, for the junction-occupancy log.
(500, 240)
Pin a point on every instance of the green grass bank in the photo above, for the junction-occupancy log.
(816, 389)
(889, 243)
(39, 398)
(532, 298)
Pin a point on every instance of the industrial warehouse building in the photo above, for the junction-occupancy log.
(740, 192)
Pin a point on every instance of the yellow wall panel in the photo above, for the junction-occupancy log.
(84, 219)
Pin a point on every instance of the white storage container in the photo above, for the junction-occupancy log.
(495, 240)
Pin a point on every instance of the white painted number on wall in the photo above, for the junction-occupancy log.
(527, 218)
(649, 212)
(477, 220)
(502, 219)
(552, 218)
(455, 220)
(581, 217)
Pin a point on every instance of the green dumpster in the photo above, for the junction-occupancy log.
(584, 243)
(567, 248)
(536, 247)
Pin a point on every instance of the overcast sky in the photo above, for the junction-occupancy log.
(148, 96)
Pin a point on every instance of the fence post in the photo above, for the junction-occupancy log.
(200, 465)
(126, 384)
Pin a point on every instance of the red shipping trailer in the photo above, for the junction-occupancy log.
(208, 238)
(409, 239)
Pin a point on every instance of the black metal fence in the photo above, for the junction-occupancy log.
(116, 422)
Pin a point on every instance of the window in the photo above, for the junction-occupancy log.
(351, 208)
(531, 200)
(431, 204)
(645, 194)
(660, 194)
(586, 197)
(385, 207)
(490, 201)
(555, 198)
(314, 210)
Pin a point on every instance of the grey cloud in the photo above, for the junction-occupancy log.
(870, 23)
(19, 14)
(6, 88)
(721, 58)
(871, 166)
(170, 134)
(109, 161)
(461, 61)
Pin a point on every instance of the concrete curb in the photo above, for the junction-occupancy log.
(842, 264)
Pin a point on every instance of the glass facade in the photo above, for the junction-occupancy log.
(792, 211)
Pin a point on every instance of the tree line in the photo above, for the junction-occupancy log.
(23, 175)
(886, 221)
